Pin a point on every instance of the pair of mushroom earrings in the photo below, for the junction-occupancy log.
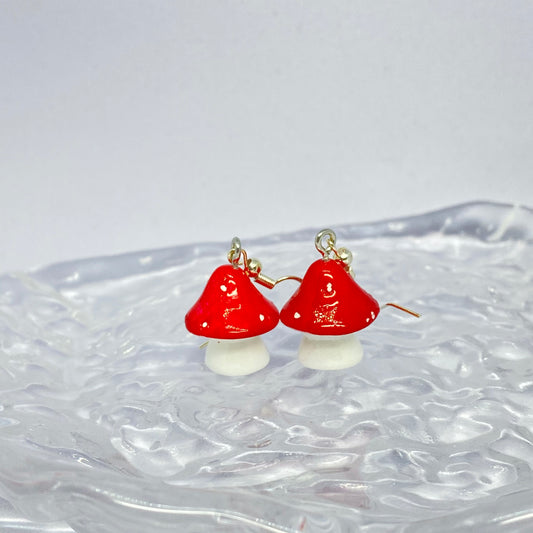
(328, 307)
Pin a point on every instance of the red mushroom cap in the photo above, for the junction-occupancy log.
(329, 302)
(231, 307)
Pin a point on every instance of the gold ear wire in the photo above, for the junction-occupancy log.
(401, 308)
(237, 256)
(254, 271)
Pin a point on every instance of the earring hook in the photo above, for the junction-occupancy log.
(329, 251)
(252, 267)
(401, 308)
(346, 257)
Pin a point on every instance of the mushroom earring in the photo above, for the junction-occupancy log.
(232, 313)
(328, 307)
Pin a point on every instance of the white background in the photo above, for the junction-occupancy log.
(127, 125)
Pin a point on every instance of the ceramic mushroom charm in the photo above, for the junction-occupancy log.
(232, 313)
(329, 307)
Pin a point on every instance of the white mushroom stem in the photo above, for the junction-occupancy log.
(330, 352)
(236, 357)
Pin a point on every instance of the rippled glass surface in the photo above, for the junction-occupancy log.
(110, 422)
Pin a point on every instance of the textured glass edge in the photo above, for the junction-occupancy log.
(508, 222)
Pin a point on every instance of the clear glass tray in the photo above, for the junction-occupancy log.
(110, 422)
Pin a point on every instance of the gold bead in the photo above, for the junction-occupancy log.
(254, 265)
(345, 255)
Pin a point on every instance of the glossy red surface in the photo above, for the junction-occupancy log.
(231, 307)
(329, 302)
